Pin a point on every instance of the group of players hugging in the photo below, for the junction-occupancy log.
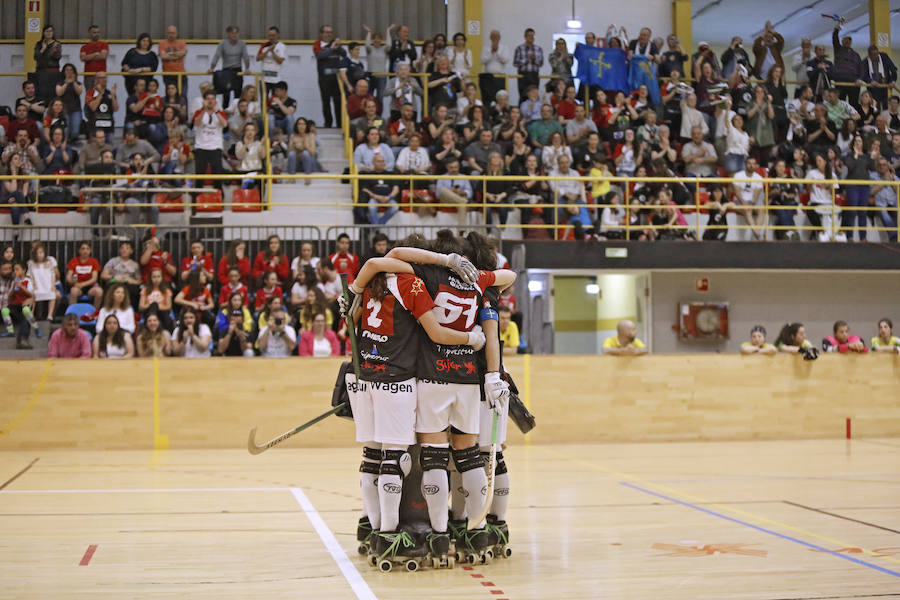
(430, 373)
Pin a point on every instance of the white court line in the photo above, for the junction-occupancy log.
(351, 574)
(147, 490)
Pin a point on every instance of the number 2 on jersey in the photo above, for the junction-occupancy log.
(374, 307)
(455, 308)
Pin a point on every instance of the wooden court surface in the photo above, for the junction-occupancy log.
(806, 519)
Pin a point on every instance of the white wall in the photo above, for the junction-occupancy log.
(773, 299)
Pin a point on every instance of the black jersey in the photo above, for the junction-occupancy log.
(459, 304)
(389, 332)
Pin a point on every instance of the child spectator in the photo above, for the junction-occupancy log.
(156, 297)
(196, 296)
(153, 340)
(236, 257)
(306, 257)
(199, 259)
(69, 341)
(236, 341)
(277, 338)
(124, 269)
(269, 288)
(112, 341)
(343, 260)
(319, 340)
(271, 259)
(236, 302)
(792, 339)
(234, 285)
(116, 303)
(842, 341)
(612, 218)
(154, 257)
(18, 316)
(885, 341)
(191, 338)
(305, 280)
(82, 273)
(43, 271)
(757, 343)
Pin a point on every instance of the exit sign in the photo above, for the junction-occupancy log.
(34, 5)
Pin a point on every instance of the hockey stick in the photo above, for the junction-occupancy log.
(489, 471)
(254, 449)
(351, 327)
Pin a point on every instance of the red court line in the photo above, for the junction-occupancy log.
(87, 555)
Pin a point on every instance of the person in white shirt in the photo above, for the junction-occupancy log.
(798, 63)
(691, 117)
(191, 339)
(750, 194)
(277, 339)
(116, 302)
(737, 145)
(271, 54)
(822, 212)
(460, 57)
(413, 159)
(494, 58)
(209, 125)
(699, 156)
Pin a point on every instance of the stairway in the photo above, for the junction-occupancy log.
(8, 344)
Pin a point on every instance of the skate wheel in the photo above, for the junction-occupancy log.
(411, 566)
(372, 560)
(435, 563)
(472, 559)
(363, 549)
(451, 562)
(506, 553)
(459, 556)
(487, 557)
(385, 566)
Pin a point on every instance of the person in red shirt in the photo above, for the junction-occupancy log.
(154, 257)
(269, 288)
(18, 315)
(70, 341)
(199, 259)
(22, 122)
(271, 259)
(196, 297)
(343, 260)
(94, 55)
(356, 101)
(235, 257)
(82, 273)
(234, 285)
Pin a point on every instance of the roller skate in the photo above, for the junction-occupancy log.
(396, 548)
(438, 546)
(498, 536)
(472, 546)
(364, 535)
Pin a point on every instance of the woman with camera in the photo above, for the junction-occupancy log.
(192, 338)
(277, 338)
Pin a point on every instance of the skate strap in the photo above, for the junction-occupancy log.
(372, 468)
(397, 539)
(372, 453)
(498, 531)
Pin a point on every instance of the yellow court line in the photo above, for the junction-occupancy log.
(160, 442)
(698, 499)
(527, 392)
(23, 414)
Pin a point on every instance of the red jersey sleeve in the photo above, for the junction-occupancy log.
(259, 264)
(222, 273)
(415, 297)
(485, 280)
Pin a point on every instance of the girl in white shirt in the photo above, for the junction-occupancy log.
(251, 152)
(44, 272)
(737, 145)
(822, 212)
(117, 303)
(460, 57)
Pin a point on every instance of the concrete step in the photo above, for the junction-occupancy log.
(8, 344)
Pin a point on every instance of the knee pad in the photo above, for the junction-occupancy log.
(396, 462)
(468, 459)
(26, 310)
(432, 457)
(500, 468)
(371, 461)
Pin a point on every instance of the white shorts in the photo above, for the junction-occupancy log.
(383, 412)
(443, 405)
(486, 414)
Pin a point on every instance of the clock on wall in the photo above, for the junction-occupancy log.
(703, 321)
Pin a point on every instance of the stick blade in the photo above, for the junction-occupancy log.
(252, 448)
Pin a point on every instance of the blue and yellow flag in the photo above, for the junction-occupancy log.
(642, 71)
(604, 67)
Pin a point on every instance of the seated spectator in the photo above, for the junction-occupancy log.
(402, 89)
(510, 123)
(69, 341)
(250, 95)
(599, 171)
(699, 156)
(235, 257)
(152, 340)
(466, 101)
(236, 302)
(116, 302)
(885, 341)
(579, 128)
(553, 150)
(20, 145)
(841, 341)
(307, 257)
(112, 341)
(281, 108)
(304, 280)
(251, 153)
(532, 105)
(474, 125)
(517, 153)
(782, 194)
(624, 342)
(455, 191)
(413, 159)
(195, 296)
(140, 206)
(320, 340)
(500, 110)
(757, 343)
(364, 153)
(273, 303)
(496, 191)
(359, 128)
(177, 101)
(533, 191)
(277, 339)
(401, 129)
(233, 286)
(239, 119)
(885, 197)
(152, 115)
(380, 247)
(82, 273)
(444, 151)
(176, 154)
(509, 331)
(134, 106)
(630, 154)
(23, 122)
(540, 131)
(316, 302)
(156, 297)
(477, 153)
(236, 341)
(612, 218)
(382, 194)
(271, 259)
(355, 100)
(302, 149)
(565, 109)
(125, 270)
(92, 150)
(54, 117)
(570, 193)
(821, 133)
(16, 192)
(34, 105)
(191, 339)
(131, 145)
(343, 260)
(269, 287)
(751, 195)
(439, 122)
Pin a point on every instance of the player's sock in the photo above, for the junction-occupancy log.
(457, 495)
(29, 316)
(434, 459)
(368, 482)
(501, 489)
(474, 481)
(394, 467)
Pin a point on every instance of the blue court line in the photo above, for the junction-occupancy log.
(762, 529)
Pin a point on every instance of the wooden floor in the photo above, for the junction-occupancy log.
(763, 520)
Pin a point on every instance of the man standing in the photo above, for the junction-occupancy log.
(329, 55)
(800, 60)
(402, 48)
(209, 125)
(232, 51)
(819, 71)
(271, 54)
(94, 55)
(625, 341)
(885, 197)
(528, 60)
(494, 58)
(879, 69)
(70, 341)
(847, 66)
(172, 52)
(767, 50)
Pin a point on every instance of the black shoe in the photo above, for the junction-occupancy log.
(24, 346)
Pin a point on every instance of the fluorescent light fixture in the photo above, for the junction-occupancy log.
(592, 288)
(573, 24)
(535, 286)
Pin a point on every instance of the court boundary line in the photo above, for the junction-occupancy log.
(837, 516)
(148, 490)
(762, 529)
(348, 569)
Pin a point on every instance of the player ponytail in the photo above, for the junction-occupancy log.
(483, 255)
(378, 286)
